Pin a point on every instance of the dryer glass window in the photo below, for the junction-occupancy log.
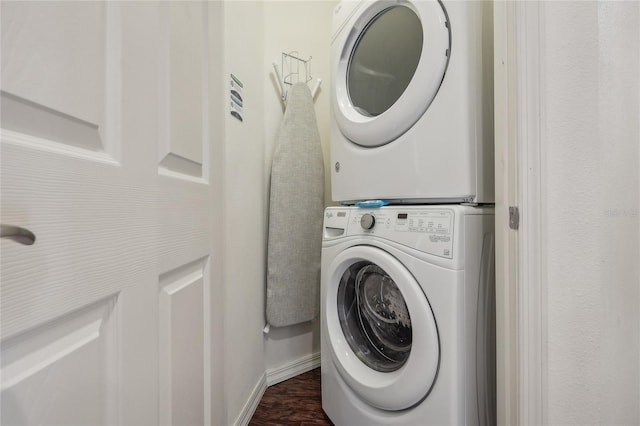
(374, 317)
(384, 60)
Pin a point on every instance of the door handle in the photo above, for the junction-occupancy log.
(17, 234)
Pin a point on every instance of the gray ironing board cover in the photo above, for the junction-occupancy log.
(295, 215)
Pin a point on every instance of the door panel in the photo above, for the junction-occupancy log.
(67, 362)
(64, 95)
(181, 321)
(183, 82)
(106, 319)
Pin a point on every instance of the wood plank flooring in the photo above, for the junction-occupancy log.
(296, 401)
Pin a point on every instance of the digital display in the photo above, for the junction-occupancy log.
(402, 215)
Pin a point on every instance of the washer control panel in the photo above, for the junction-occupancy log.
(427, 229)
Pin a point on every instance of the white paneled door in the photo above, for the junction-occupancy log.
(108, 135)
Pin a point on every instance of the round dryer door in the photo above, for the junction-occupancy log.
(390, 65)
(381, 329)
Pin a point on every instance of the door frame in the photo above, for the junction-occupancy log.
(520, 262)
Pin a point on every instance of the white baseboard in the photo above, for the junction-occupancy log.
(293, 368)
(271, 377)
(252, 403)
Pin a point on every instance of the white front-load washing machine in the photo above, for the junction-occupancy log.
(412, 101)
(407, 316)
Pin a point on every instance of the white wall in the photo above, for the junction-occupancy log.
(303, 26)
(591, 211)
(216, 159)
(256, 32)
(244, 243)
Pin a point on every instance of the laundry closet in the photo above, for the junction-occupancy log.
(135, 210)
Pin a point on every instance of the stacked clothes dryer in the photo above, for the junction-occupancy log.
(407, 290)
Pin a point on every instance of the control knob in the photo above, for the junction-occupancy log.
(367, 221)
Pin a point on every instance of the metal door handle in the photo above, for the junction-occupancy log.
(17, 234)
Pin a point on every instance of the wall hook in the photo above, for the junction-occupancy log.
(294, 70)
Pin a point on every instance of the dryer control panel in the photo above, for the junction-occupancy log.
(427, 229)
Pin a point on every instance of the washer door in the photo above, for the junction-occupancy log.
(389, 68)
(380, 328)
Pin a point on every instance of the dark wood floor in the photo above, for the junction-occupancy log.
(296, 401)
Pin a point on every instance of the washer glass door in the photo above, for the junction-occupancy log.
(389, 68)
(384, 60)
(380, 328)
(374, 317)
